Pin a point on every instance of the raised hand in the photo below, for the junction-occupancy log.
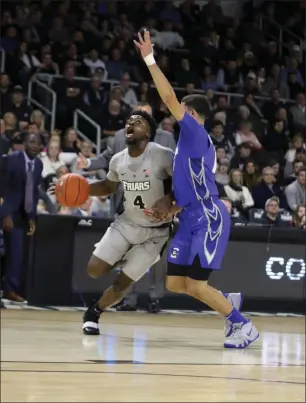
(81, 162)
(144, 43)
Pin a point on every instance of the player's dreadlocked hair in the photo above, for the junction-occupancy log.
(151, 121)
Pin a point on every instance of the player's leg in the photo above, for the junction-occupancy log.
(241, 331)
(111, 249)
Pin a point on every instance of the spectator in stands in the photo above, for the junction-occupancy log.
(185, 74)
(219, 139)
(297, 165)
(85, 210)
(296, 191)
(245, 135)
(143, 92)
(242, 154)
(167, 125)
(295, 87)
(251, 175)
(297, 145)
(275, 139)
(5, 96)
(71, 143)
(19, 106)
(112, 121)
(292, 66)
(48, 66)
(282, 114)
(94, 96)
(208, 80)
(230, 78)
(23, 174)
(129, 96)
(10, 125)
(101, 207)
(299, 217)
(4, 141)
(298, 111)
(38, 118)
(222, 176)
(69, 96)
(236, 217)
(64, 211)
(266, 189)
(58, 32)
(273, 81)
(273, 104)
(220, 153)
(115, 66)
(93, 62)
(167, 38)
(239, 195)
(51, 160)
(271, 216)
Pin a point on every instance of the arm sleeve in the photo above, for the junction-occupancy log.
(167, 161)
(193, 137)
(102, 161)
(112, 174)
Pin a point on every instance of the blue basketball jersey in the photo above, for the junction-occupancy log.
(204, 221)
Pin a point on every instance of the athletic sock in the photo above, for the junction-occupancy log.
(236, 317)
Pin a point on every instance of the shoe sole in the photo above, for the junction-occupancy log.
(241, 348)
(94, 332)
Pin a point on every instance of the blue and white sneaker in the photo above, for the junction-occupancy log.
(236, 299)
(242, 335)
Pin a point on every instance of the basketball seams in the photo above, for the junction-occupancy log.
(79, 188)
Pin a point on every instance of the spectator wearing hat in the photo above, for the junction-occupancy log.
(19, 106)
(219, 139)
(239, 195)
(267, 188)
(271, 216)
(296, 191)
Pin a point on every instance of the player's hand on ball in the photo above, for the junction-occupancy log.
(144, 43)
(81, 162)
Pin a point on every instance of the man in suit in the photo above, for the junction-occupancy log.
(157, 272)
(18, 210)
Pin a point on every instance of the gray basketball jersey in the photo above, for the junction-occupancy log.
(142, 180)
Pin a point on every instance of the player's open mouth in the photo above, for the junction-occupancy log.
(129, 132)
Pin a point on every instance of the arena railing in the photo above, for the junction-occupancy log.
(264, 22)
(48, 79)
(79, 114)
(44, 98)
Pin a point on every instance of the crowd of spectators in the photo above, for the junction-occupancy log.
(259, 133)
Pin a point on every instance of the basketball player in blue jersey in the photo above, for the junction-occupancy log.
(204, 222)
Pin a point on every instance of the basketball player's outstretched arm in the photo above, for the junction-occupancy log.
(103, 188)
(162, 84)
(108, 185)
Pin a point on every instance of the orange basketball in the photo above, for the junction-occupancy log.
(72, 190)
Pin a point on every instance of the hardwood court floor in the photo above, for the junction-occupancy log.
(147, 358)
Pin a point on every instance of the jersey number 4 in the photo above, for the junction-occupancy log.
(138, 202)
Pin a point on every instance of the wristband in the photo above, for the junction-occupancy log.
(149, 60)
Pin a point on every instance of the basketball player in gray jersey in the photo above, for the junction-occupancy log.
(134, 239)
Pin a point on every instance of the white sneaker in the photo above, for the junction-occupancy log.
(242, 335)
(236, 299)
